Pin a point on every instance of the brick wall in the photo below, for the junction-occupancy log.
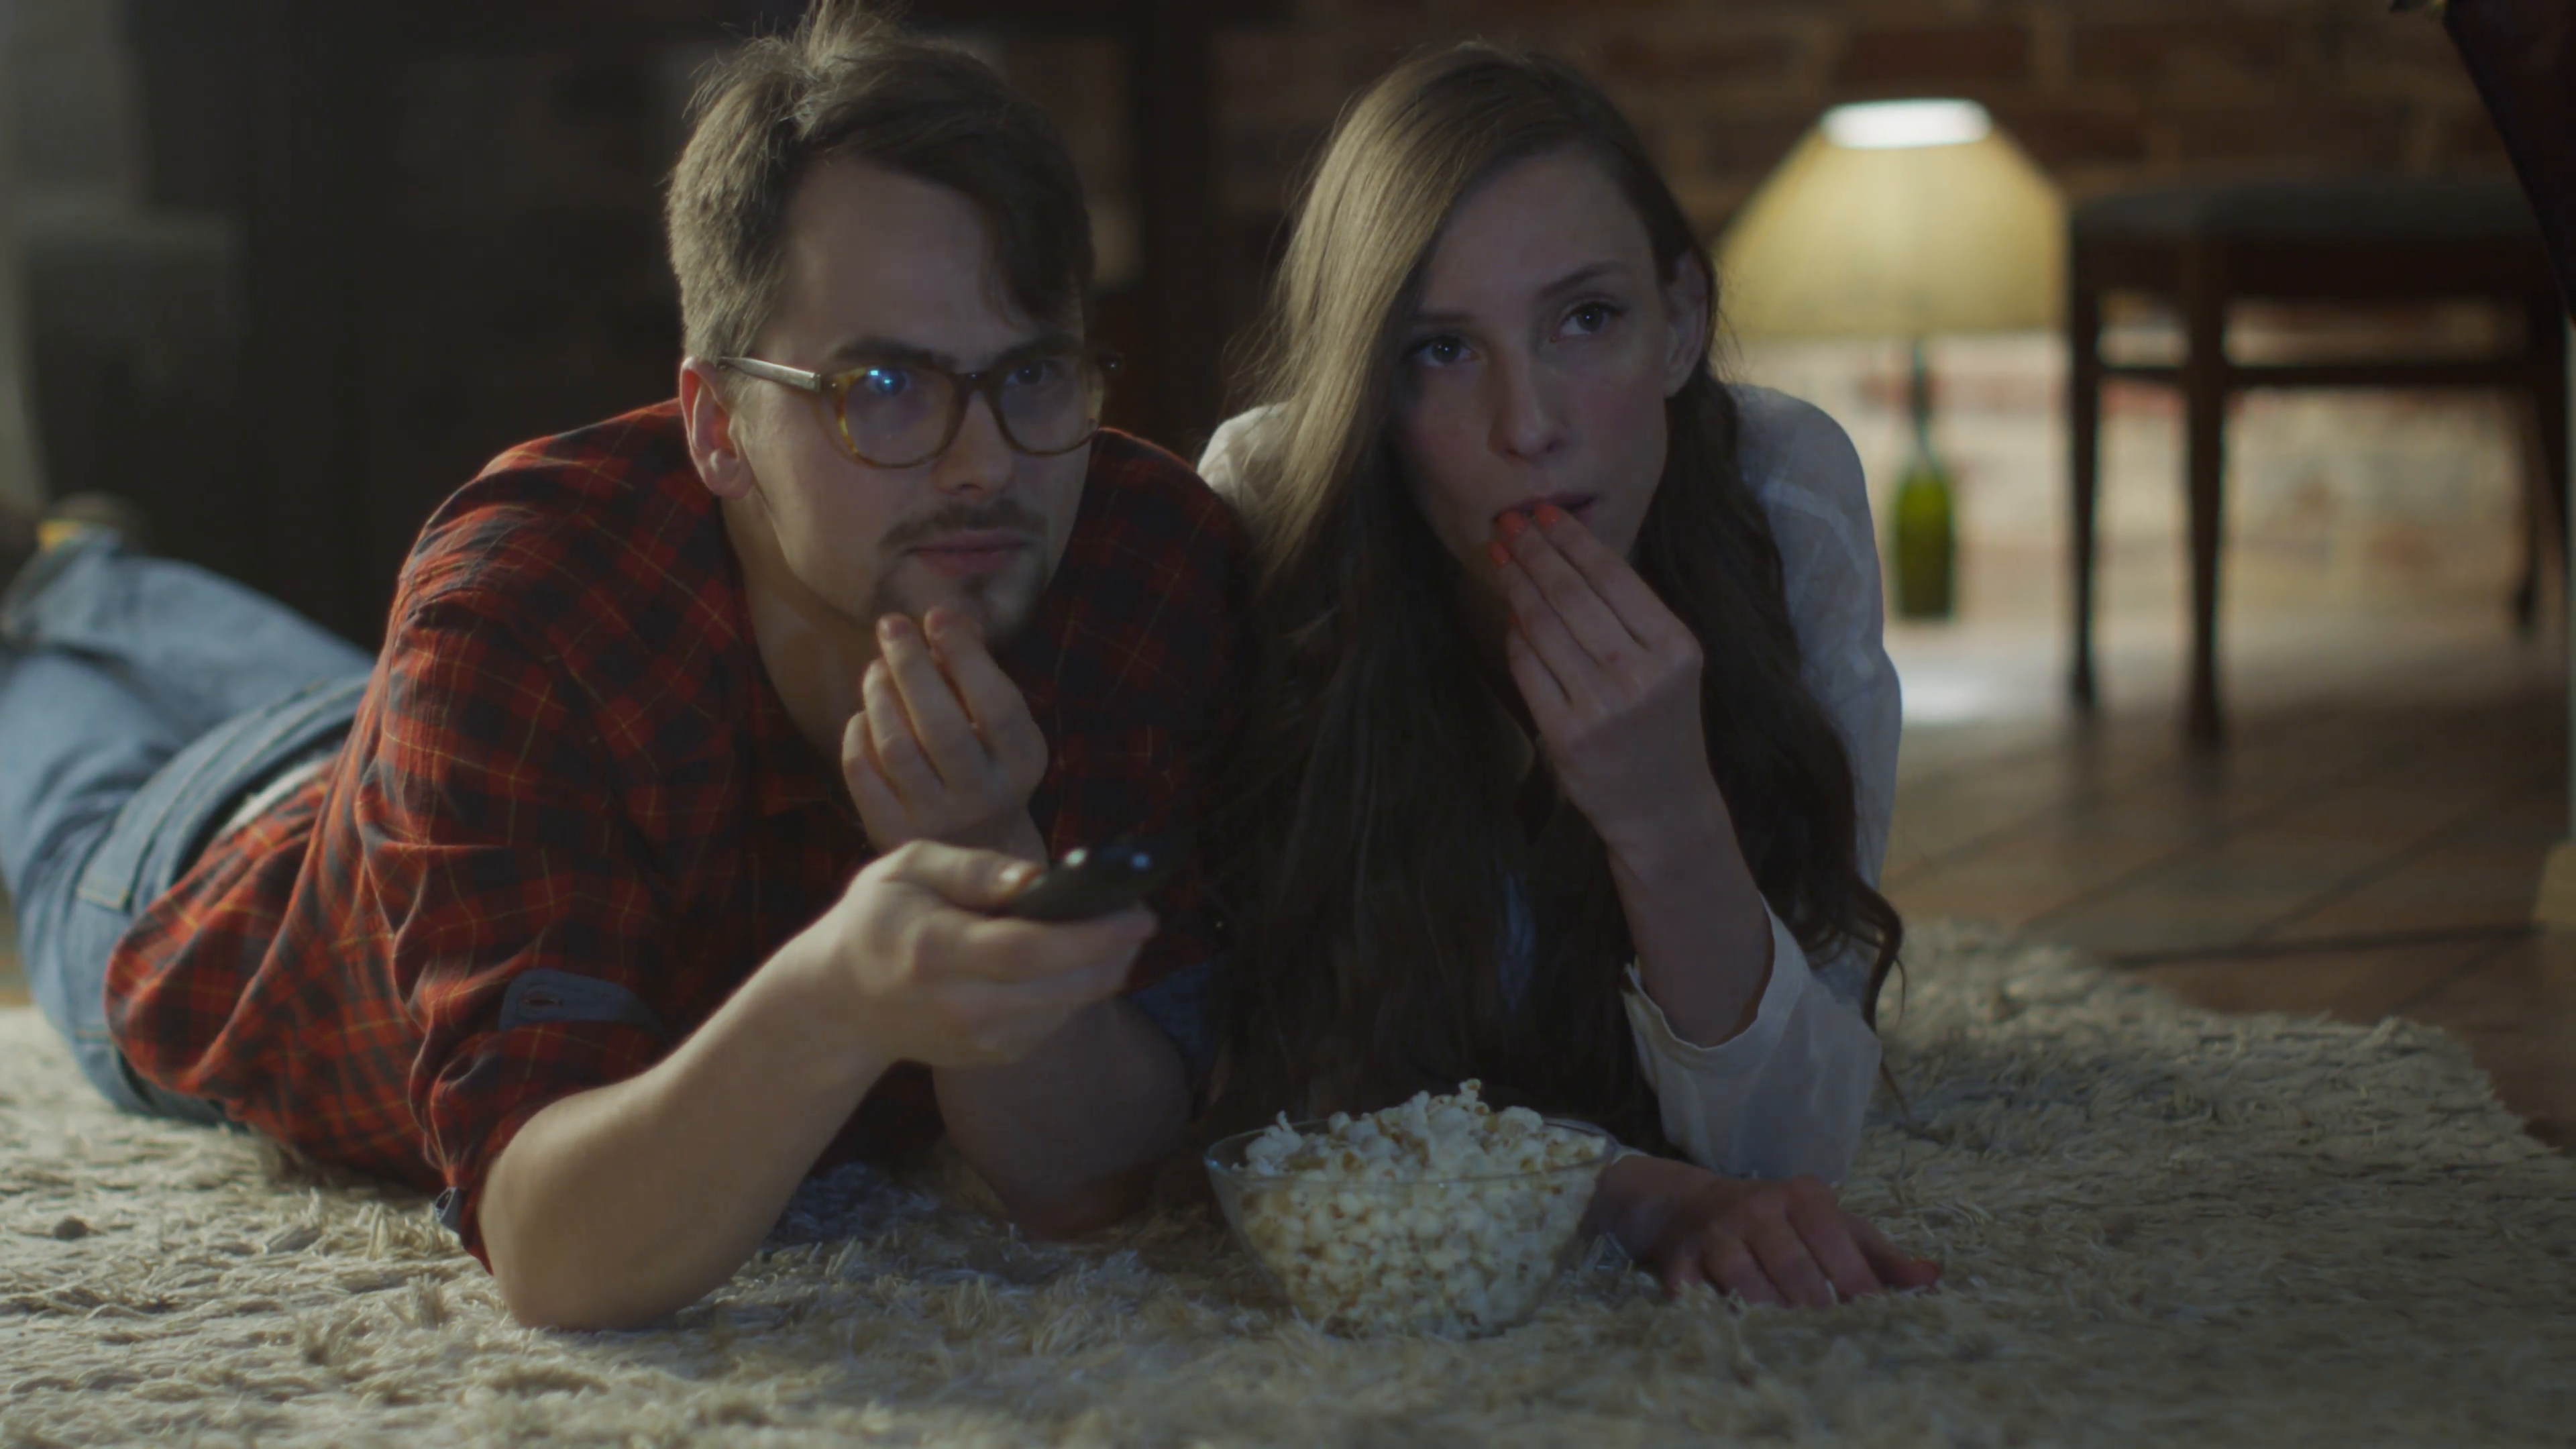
(2335, 499)
(2104, 93)
(518, 284)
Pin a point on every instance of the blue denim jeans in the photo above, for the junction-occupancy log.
(141, 701)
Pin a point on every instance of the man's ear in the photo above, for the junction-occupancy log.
(1685, 296)
(714, 429)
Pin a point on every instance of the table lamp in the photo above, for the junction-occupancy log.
(1901, 219)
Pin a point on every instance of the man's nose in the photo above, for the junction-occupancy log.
(979, 461)
(1527, 423)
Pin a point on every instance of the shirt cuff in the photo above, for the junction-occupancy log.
(1743, 1053)
(1785, 1096)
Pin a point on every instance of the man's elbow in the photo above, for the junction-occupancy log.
(544, 1288)
(1083, 1210)
(557, 1301)
(535, 1298)
(540, 1305)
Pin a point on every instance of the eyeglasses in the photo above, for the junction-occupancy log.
(902, 413)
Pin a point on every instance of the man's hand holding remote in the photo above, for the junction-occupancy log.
(618, 1204)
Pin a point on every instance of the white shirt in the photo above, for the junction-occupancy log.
(1787, 1094)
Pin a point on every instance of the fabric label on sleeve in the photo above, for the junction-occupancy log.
(545, 994)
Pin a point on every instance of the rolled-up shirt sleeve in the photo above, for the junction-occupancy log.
(1784, 1096)
(526, 938)
(1788, 1094)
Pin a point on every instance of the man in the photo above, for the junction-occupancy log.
(551, 908)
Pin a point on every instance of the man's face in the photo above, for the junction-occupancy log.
(876, 265)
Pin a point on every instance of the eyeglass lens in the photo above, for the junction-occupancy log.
(901, 414)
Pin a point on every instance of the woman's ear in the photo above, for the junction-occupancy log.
(713, 429)
(1685, 296)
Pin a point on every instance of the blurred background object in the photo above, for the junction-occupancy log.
(2349, 244)
(1908, 219)
(373, 245)
(299, 269)
(309, 265)
(2522, 54)
(21, 485)
(1897, 219)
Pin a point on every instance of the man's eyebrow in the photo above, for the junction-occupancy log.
(873, 348)
(1572, 281)
(885, 349)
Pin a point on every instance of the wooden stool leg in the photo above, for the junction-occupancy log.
(2204, 386)
(2525, 607)
(2543, 410)
(2084, 428)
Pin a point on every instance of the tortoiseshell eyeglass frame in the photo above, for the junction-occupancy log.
(1098, 366)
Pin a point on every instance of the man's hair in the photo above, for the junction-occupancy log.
(849, 84)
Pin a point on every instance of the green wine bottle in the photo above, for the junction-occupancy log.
(1926, 536)
(1926, 541)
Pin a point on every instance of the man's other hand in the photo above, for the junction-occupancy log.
(943, 746)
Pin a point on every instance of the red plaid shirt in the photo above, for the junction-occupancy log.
(571, 759)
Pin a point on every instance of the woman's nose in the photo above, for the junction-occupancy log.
(1527, 422)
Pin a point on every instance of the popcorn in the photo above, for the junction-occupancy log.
(1440, 1214)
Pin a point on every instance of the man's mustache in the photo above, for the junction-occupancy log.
(1004, 514)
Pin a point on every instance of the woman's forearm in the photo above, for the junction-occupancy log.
(1069, 1135)
(1702, 934)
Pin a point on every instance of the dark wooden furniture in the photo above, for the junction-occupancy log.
(2522, 54)
(420, 288)
(2204, 249)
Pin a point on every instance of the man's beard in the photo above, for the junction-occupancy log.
(1003, 602)
(1001, 608)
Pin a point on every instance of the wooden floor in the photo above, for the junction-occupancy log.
(2367, 843)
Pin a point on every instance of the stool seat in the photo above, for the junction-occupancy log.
(2325, 211)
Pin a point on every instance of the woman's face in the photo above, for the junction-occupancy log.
(1536, 365)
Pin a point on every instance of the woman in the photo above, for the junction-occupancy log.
(1533, 789)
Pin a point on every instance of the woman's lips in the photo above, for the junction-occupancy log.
(962, 555)
(1577, 504)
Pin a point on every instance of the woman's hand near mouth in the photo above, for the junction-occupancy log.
(1612, 680)
(1611, 677)
(1577, 506)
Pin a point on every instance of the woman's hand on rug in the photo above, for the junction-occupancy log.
(1782, 1243)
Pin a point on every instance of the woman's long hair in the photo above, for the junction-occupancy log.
(1365, 834)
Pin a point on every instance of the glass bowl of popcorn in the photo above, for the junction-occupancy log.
(1440, 1215)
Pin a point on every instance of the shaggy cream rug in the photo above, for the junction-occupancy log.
(2161, 1226)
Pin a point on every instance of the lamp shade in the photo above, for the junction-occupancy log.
(1898, 219)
